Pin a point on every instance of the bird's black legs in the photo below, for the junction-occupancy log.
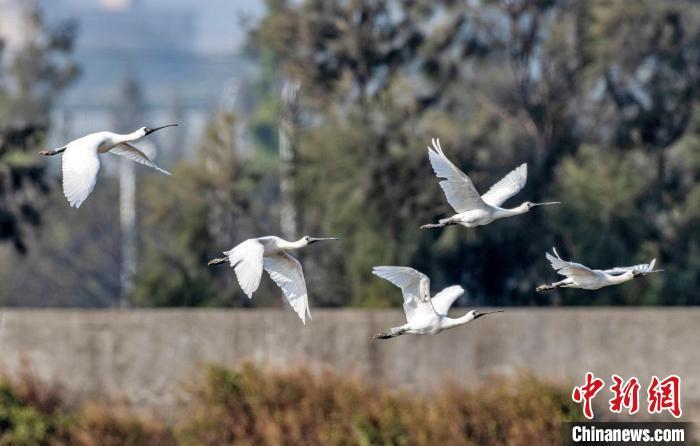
(384, 335)
(433, 225)
(440, 224)
(217, 261)
(393, 332)
(553, 286)
(52, 152)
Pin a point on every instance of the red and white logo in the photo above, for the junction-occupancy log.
(662, 395)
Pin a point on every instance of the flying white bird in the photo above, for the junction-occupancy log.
(250, 257)
(580, 276)
(424, 315)
(81, 163)
(472, 208)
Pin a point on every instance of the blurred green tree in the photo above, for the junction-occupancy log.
(218, 200)
(598, 98)
(34, 68)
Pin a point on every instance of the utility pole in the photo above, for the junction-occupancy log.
(287, 147)
(128, 116)
(221, 218)
(127, 223)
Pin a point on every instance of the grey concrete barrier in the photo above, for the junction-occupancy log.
(146, 357)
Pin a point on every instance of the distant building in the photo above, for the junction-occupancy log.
(136, 28)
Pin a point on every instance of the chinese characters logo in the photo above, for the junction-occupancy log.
(662, 395)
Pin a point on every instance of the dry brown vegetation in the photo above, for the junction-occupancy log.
(249, 406)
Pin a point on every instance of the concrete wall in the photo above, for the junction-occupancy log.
(145, 356)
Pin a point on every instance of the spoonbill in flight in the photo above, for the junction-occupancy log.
(473, 209)
(580, 276)
(250, 257)
(424, 315)
(81, 163)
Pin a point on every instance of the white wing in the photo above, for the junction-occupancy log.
(286, 271)
(643, 268)
(509, 185)
(443, 300)
(128, 151)
(569, 269)
(247, 260)
(459, 189)
(415, 287)
(80, 166)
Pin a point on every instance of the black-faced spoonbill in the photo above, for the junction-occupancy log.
(250, 257)
(424, 315)
(81, 163)
(580, 276)
(472, 208)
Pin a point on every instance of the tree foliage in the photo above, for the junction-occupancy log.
(32, 73)
(218, 200)
(597, 97)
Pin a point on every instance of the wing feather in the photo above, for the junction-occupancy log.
(80, 165)
(569, 269)
(458, 187)
(443, 300)
(247, 261)
(287, 273)
(643, 268)
(509, 185)
(128, 151)
(414, 285)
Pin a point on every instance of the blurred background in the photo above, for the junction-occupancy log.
(313, 117)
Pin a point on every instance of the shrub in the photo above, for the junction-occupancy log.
(97, 425)
(249, 407)
(28, 410)
(33, 413)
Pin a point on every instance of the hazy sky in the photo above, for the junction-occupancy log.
(218, 25)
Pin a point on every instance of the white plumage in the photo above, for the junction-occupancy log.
(128, 151)
(250, 257)
(473, 209)
(424, 315)
(81, 160)
(581, 276)
(507, 187)
(80, 167)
